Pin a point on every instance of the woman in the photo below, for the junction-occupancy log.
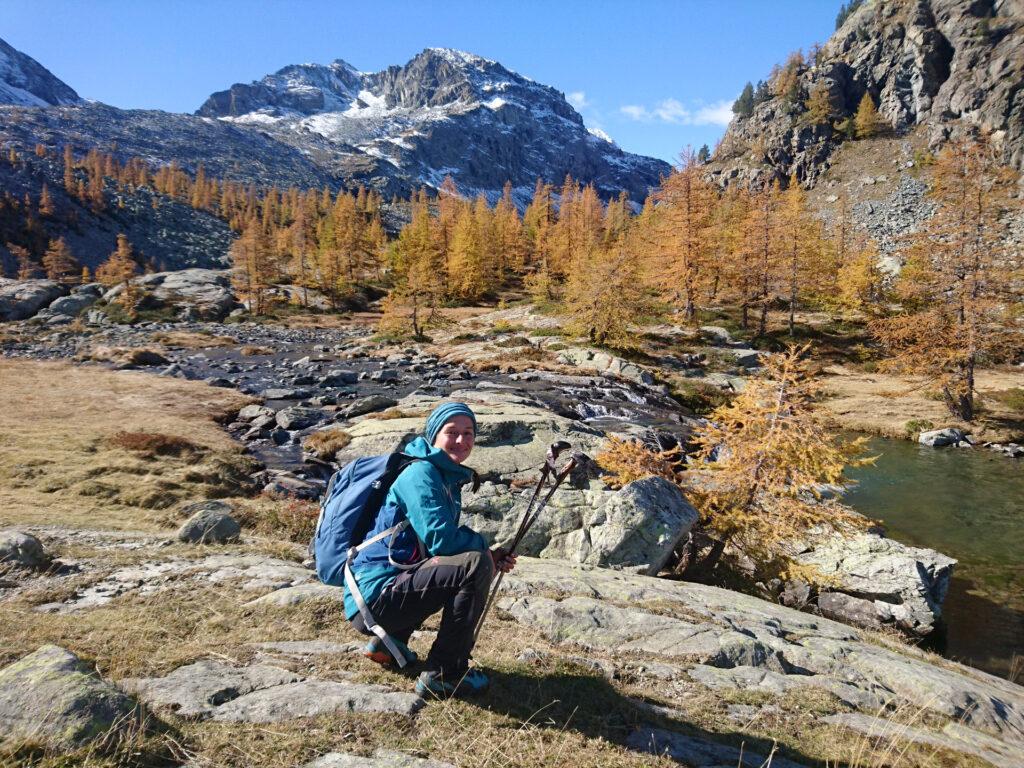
(434, 563)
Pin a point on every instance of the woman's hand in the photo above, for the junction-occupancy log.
(503, 560)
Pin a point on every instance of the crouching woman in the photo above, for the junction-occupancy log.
(434, 563)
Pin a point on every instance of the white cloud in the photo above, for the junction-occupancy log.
(635, 112)
(578, 99)
(675, 112)
(719, 113)
(672, 111)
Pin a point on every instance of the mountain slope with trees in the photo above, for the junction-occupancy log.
(944, 67)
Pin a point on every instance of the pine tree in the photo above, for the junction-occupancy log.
(681, 236)
(868, 122)
(959, 292)
(412, 305)
(70, 186)
(704, 153)
(45, 202)
(119, 269)
(58, 262)
(744, 104)
(819, 105)
(801, 246)
(765, 455)
(604, 294)
(27, 268)
(252, 272)
(860, 278)
(763, 228)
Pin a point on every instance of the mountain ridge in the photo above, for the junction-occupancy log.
(443, 113)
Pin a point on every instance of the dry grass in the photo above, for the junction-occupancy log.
(149, 445)
(882, 404)
(290, 519)
(57, 462)
(125, 355)
(251, 350)
(192, 340)
(395, 413)
(327, 442)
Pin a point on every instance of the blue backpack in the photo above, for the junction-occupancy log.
(349, 508)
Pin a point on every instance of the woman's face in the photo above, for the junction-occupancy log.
(456, 438)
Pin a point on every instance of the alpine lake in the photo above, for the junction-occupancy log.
(967, 503)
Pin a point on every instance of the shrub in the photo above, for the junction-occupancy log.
(294, 519)
(545, 332)
(327, 442)
(1011, 398)
(504, 326)
(914, 426)
(628, 460)
(699, 396)
(514, 341)
(149, 445)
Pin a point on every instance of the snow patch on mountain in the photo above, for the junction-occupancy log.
(24, 82)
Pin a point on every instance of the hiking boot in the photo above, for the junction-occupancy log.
(378, 653)
(433, 684)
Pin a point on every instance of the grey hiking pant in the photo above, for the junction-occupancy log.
(458, 584)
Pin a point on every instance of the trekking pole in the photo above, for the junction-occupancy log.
(524, 527)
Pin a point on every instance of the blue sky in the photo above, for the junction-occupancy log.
(656, 75)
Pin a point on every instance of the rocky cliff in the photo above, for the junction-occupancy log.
(27, 83)
(943, 67)
(445, 112)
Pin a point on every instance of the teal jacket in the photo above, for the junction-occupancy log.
(428, 494)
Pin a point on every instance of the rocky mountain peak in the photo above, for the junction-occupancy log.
(444, 112)
(944, 67)
(24, 82)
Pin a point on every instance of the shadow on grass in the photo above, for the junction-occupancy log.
(588, 704)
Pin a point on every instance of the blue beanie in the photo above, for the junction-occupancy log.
(444, 413)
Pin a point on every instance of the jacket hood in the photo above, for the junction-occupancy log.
(421, 449)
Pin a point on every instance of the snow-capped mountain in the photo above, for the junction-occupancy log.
(445, 112)
(27, 83)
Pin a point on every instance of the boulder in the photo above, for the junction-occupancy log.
(22, 549)
(72, 305)
(382, 758)
(636, 527)
(54, 698)
(596, 360)
(292, 596)
(513, 432)
(939, 438)
(21, 299)
(340, 378)
(298, 417)
(728, 640)
(883, 581)
(262, 694)
(211, 523)
(196, 690)
(365, 405)
(204, 293)
(310, 698)
(252, 412)
(291, 486)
